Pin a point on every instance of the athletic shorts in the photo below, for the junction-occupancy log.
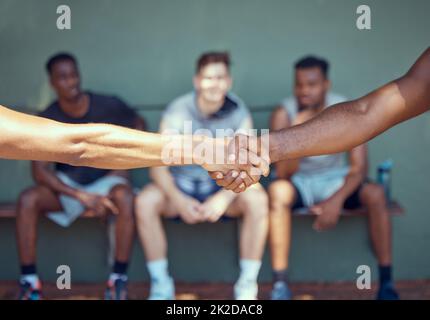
(200, 190)
(72, 207)
(313, 189)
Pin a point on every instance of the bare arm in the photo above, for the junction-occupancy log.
(26, 137)
(352, 123)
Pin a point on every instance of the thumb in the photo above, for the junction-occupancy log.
(240, 141)
(109, 205)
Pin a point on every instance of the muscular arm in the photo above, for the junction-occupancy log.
(352, 123)
(26, 137)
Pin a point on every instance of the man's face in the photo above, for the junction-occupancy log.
(212, 84)
(65, 79)
(310, 87)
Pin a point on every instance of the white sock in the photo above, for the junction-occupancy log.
(158, 270)
(33, 279)
(249, 270)
(114, 276)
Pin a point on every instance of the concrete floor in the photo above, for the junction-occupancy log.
(417, 289)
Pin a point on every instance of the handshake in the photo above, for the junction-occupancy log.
(246, 159)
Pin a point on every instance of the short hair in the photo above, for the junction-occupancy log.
(312, 62)
(213, 57)
(58, 57)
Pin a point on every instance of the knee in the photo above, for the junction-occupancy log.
(373, 194)
(147, 202)
(122, 196)
(28, 200)
(122, 193)
(281, 193)
(255, 203)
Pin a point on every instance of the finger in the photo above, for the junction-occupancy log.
(241, 188)
(210, 215)
(243, 159)
(227, 181)
(237, 185)
(254, 171)
(216, 175)
(109, 205)
(197, 211)
(260, 166)
(240, 141)
(214, 218)
(206, 214)
(247, 180)
(99, 210)
(189, 218)
(316, 210)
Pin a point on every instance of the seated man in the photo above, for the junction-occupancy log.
(64, 192)
(189, 193)
(324, 184)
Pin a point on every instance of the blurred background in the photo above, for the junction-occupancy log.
(145, 51)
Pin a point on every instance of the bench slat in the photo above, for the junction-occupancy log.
(394, 208)
(8, 210)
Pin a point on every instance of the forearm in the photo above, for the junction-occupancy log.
(286, 168)
(352, 182)
(105, 146)
(114, 147)
(50, 180)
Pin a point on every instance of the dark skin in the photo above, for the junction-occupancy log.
(66, 82)
(44, 197)
(330, 131)
(310, 89)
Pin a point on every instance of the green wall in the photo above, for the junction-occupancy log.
(144, 51)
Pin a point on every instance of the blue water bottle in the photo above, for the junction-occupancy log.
(384, 176)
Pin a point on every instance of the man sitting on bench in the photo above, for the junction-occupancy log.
(189, 193)
(323, 184)
(63, 192)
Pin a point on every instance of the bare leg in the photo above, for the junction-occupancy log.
(32, 203)
(282, 195)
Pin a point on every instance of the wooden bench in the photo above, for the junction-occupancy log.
(394, 208)
(8, 210)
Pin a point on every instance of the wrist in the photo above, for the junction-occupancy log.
(275, 148)
(339, 198)
(263, 143)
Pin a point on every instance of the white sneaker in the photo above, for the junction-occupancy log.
(245, 290)
(162, 290)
